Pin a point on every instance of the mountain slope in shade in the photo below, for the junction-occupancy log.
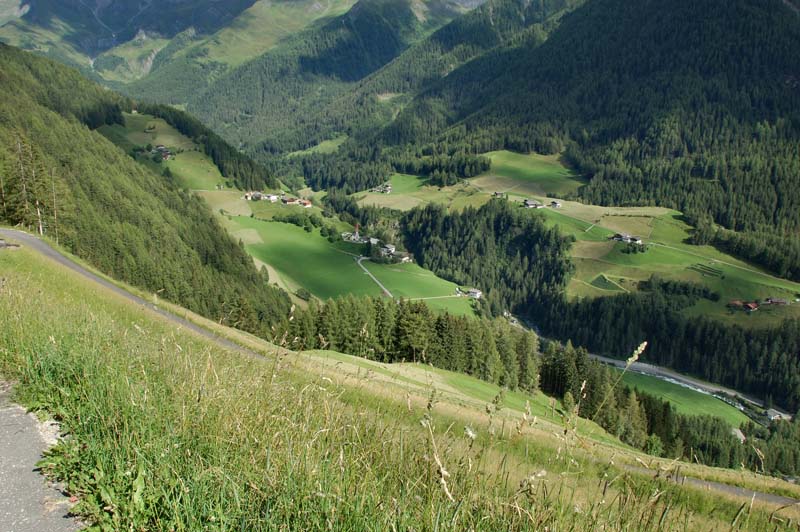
(313, 67)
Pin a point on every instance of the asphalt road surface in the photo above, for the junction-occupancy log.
(27, 502)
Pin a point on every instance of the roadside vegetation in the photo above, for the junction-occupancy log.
(170, 432)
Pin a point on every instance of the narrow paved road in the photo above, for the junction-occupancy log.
(359, 260)
(42, 247)
(710, 485)
(27, 503)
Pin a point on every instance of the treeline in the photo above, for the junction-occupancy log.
(332, 171)
(61, 179)
(764, 362)
(409, 331)
(775, 251)
(499, 353)
(507, 253)
(442, 170)
(645, 422)
(239, 168)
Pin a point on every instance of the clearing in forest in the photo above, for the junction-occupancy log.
(528, 174)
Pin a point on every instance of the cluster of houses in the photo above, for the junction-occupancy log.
(533, 204)
(166, 155)
(389, 251)
(752, 306)
(472, 293)
(626, 238)
(274, 198)
(385, 188)
(306, 204)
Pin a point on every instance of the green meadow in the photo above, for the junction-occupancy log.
(296, 258)
(686, 400)
(528, 174)
(409, 191)
(326, 146)
(307, 259)
(191, 167)
(410, 281)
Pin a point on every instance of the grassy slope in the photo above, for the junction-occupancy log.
(249, 35)
(528, 174)
(264, 25)
(326, 146)
(209, 420)
(194, 169)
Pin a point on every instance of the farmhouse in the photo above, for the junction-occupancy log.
(304, 203)
(402, 257)
(374, 241)
(161, 149)
(474, 293)
(290, 201)
(254, 196)
(775, 301)
(272, 198)
(775, 415)
(387, 250)
(751, 307)
(626, 238)
(385, 188)
(532, 204)
(555, 204)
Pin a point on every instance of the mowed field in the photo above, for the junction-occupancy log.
(685, 400)
(326, 146)
(528, 174)
(297, 259)
(410, 281)
(409, 191)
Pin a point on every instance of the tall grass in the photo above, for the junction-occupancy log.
(165, 431)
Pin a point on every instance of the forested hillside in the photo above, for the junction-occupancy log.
(378, 98)
(60, 178)
(688, 104)
(263, 98)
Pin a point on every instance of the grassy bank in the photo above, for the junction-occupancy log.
(171, 432)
